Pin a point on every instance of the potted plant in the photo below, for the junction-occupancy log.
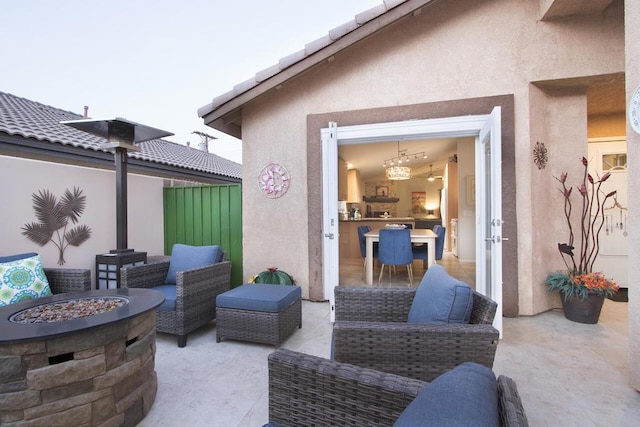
(273, 276)
(583, 291)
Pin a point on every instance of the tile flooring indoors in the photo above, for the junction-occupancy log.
(568, 374)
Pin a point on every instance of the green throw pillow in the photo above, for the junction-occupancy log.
(22, 279)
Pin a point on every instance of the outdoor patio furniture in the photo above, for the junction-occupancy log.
(307, 390)
(190, 282)
(260, 312)
(380, 328)
(60, 280)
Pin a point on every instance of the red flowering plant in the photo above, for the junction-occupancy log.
(579, 279)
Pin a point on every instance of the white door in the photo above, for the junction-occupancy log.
(486, 129)
(489, 212)
(330, 243)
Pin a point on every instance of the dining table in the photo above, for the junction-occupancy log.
(417, 236)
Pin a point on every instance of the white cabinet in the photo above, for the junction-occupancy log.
(355, 186)
(342, 179)
(454, 236)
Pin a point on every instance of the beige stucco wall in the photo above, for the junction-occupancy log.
(20, 178)
(632, 33)
(452, 50)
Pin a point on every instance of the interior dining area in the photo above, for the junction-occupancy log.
(421, 185)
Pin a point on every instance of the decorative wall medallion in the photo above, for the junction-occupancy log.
(540, 157)
(274, 180)
(634, 111)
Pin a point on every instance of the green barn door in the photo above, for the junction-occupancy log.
(206, 215)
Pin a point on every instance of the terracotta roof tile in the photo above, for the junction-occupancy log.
(30, 119)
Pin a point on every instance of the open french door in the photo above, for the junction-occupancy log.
(487, 131)
(489, 212)
(330, 230)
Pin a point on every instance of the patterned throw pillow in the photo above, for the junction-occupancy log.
(22, 279)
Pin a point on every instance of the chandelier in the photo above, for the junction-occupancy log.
(395, 171)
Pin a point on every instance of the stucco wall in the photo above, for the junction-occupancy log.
(632, 32)
(21, 178)
(453, 50)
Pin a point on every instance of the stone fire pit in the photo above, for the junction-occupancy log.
(92, 369)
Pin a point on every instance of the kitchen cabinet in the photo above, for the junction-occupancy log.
(355, 186)
(342, 179)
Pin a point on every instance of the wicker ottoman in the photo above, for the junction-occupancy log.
(259, 313)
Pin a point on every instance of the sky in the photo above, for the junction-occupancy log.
(154, 62)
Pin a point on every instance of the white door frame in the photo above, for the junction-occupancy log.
(450, 127)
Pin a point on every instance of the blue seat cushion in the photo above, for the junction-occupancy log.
(464, 396)
(260, 297)
(169, 292)
(185, 257)
(441, 299)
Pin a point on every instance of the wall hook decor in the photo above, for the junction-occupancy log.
(540, 155)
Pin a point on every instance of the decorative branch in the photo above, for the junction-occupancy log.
(590, 224)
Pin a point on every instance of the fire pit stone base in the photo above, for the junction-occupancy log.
(99, 376)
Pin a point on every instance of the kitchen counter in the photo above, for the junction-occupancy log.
(348, 229)
(390, 219)
(349, 244)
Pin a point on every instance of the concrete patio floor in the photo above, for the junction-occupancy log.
(568, 374)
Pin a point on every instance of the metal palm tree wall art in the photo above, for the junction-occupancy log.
(54, 217)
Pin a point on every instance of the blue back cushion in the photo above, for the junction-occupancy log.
(441, 299)
(185, 257)
(464, 396)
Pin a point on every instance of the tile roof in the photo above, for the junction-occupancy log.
(310, 49)
(30, 119)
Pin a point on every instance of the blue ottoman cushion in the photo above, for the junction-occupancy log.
(464, 396)
(260, 297)
(441, 299)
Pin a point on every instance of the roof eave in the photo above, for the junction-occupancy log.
(365, 25)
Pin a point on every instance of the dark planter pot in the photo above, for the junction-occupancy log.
(581, 310)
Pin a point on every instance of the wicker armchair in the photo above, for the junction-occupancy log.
(371, 331)
(307, 390)
(196, 292)
(63, 280)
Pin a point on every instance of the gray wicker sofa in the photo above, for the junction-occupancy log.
(196, 290)
(372, 330)
(306, 390)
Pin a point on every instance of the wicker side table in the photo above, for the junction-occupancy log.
(259, 313)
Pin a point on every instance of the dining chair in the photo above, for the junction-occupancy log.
(394, 249)
(363, 246)
(421, 252)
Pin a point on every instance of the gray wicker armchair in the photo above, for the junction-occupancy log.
(64, 280)
(196, 292)
(371, 331)
(307, 390)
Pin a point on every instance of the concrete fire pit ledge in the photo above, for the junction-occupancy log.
(96, 370)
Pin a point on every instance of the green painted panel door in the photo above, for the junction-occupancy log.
(206, 215)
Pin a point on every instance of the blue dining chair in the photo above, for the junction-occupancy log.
(421, 252)
(395, 249)
(363, 246)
